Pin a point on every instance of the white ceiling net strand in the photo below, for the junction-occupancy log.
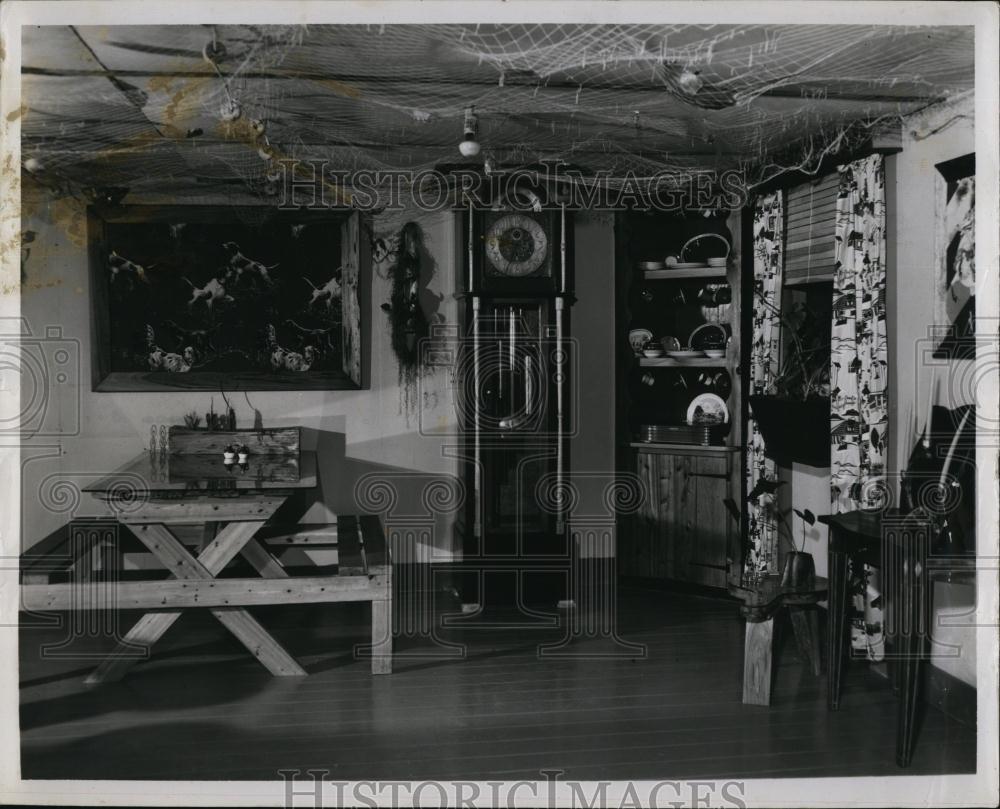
(199, 112)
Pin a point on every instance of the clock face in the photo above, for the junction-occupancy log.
(516, 245)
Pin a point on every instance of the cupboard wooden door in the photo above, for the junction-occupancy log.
(710, 540)
(682, 531)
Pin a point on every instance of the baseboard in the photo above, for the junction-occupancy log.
(677, 586)
(949, 694)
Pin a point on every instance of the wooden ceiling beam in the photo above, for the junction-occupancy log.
(804, 92)
(56, 145)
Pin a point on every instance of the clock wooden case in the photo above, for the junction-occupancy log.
(517, 420)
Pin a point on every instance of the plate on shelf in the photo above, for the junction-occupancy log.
(689, 265)
(686, 354)
(637, 338)
(707, 408)
(708, 336)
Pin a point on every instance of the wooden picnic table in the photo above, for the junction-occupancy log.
(157, 491)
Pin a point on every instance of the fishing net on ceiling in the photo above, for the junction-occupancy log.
(199, 113)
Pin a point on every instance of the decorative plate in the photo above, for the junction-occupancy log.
(708, 335)
(707, 408)
(637, 338)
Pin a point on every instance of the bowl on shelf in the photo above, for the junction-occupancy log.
(651, 265)
(717, 261)
(637, 338)
(652, 353)
(715, 353)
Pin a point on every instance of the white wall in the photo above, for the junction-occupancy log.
(939, 133)
(592, 450)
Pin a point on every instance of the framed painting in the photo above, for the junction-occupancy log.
(955, 284)
(199, 298)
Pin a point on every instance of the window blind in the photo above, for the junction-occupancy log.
(811, 211)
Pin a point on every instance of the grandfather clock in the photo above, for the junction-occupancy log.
(516, 403)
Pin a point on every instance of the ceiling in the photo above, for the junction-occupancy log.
(139, 106)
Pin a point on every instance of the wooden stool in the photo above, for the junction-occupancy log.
(759, 606)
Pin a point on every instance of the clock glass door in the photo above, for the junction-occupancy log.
(518, 442)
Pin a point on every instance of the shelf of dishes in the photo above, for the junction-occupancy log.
(684, 362)
(682, 265)
(708, 345)
(682, 274)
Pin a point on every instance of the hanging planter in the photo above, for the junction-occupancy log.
(794, 430)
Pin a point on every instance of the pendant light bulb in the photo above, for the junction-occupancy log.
(469, 146)
(690, 82)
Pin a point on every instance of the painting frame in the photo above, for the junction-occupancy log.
(355, 267)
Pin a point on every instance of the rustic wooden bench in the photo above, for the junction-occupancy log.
(364, 569)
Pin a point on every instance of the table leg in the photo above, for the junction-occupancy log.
(913, 630)
(758, 653)
(209, 563)
(837, 562)
(804, 626)
(382, 637)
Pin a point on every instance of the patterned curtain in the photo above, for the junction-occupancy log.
(768, 264)
(858, 372)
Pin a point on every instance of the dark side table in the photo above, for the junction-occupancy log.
(900, 545)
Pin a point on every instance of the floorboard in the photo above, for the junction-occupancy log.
(201, 709)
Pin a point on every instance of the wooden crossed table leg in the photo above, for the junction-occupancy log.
(234, 538)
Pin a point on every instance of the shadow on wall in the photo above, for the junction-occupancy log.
(351, 485)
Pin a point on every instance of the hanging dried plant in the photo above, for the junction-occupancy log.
(407, 321)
